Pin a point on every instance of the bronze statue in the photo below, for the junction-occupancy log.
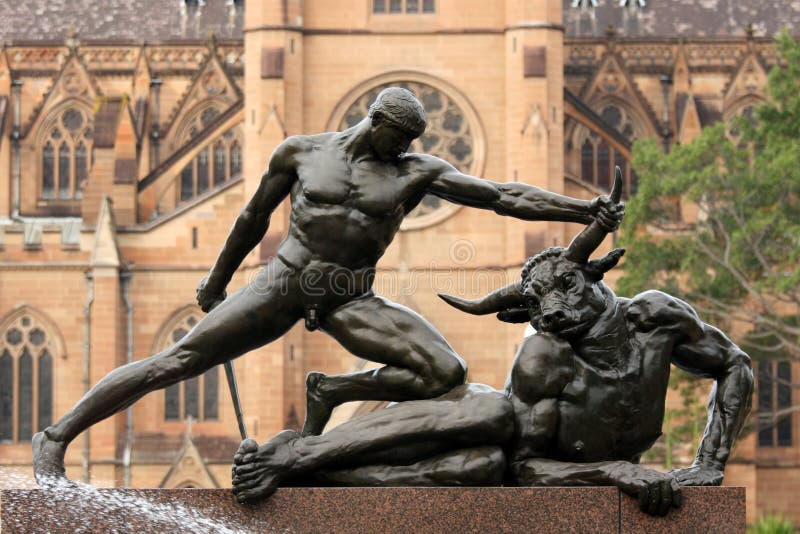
(349, 193)
(583, 402)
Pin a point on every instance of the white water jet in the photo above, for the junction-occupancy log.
(91, 503)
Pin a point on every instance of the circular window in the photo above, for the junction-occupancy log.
(618, 119)
(450, 135)
(72, 119)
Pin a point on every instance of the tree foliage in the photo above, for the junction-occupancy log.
(737, 262)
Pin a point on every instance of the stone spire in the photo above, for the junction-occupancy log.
(105, 251)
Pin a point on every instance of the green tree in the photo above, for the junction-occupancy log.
(737, 263)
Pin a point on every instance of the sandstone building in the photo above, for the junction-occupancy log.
(132, 133)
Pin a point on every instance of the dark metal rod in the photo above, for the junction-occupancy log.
(237, 404)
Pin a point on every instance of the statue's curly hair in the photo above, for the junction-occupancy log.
(401, 107)
(533, 261)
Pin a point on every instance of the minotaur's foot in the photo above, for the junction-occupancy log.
(48, 461)
(257, 471)
(318, 411)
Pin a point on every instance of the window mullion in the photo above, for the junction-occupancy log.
(14, 398)
(195, 174)
(56, 170)
(773, 366)
(201, 386)
(181, 412)
(227, 160)
(73, 173)
(35, 396)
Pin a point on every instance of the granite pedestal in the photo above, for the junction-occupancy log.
(357, 510)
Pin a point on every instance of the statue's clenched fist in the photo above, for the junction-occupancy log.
(208, 296)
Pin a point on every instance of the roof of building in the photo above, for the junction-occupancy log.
(689, 18)
(156, 20)
(116, 20)
(106, 119)
(162, 448)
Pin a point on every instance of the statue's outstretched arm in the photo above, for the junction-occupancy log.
(252, 223)
(522, 201)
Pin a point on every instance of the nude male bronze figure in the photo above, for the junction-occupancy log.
(583, 402)
(349, 193)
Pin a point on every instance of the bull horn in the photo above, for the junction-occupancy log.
(501, 299)
(590, 238)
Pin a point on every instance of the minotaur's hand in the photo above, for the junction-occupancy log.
(657, 492)
(698, 475)
(208, 296)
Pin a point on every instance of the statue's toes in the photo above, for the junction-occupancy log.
(244, 469)
(242, 478)
(247, 445)
(240, 485)
(259, 492)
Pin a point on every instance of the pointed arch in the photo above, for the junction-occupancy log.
(613, 83)
(196, 120)
(749, 81)
(54, 339)
(741, 105)
(197, 397)
(211, 86)
(72, 83)
(64, 144)
(189, 469)
(217, 162)
(625, 117)
(28, 343)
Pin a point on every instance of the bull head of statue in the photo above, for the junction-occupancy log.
(561, 290)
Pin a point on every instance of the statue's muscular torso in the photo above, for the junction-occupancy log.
(602, 397)
(345, 213)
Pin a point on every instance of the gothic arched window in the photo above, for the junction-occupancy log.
(196, 397)
(219, 161)
(65, 154)
(598, 157)
(774, 389)
(236, 159)
(26, 378)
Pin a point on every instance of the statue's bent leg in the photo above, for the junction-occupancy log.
(470, 415)
(250, 318)
(477, 466)
(420, 364)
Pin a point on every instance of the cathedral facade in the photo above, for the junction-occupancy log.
(130, 138)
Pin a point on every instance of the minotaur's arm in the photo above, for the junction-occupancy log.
(714, 355)
(705, 351)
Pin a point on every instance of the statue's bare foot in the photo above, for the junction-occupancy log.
(48, 461)
(257, 471)
(318, 411)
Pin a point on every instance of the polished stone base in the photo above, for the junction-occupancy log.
(355, 510)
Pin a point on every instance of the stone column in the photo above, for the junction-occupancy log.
(534, 110)
(273, 94)
(107, 338)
